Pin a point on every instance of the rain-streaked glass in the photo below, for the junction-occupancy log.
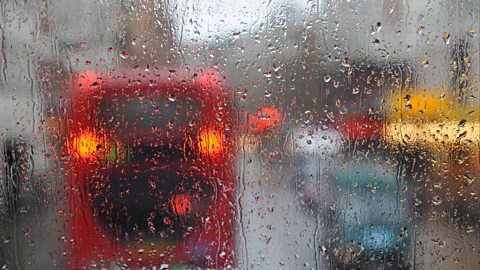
(239, 134)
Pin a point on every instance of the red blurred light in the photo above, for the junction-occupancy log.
(361, 128)
(209, 79)
(182, 204)
(266, 118)
(88, 80)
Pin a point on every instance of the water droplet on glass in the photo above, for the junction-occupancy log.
(268, 93)
(219, 116)
(276, 67)
(470, 177)
(425, 63)
(124, 55)
(418, 202)
(95, 85)
(346, 62)
(461, 158)
(323, 250)
(420, 30)
(462, 136)
(472, 32)
(437, 200)
(446, 37)
(327, 78)
(442, 243)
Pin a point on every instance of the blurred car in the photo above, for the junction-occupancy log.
(347, 179)
(150, 171)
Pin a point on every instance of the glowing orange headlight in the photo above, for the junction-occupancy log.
(211, 143)
(86, 145)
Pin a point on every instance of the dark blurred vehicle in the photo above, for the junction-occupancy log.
(150, 171)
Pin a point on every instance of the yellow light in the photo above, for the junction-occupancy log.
(211, 143)
(86, 145)
(420, 105)
(434, 134)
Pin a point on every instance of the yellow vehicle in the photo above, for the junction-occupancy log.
(433, 127)
(431, 119)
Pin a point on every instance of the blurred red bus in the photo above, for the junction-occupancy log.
(150, 171)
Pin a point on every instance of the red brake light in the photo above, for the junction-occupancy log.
(265, 119)
(181, 204)
(361, 128)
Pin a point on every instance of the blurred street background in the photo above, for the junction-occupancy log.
(356, 139)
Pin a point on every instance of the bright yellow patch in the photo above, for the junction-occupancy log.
(426, 107)
(211, 143)
(86, 145)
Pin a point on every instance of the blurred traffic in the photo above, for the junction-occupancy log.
(239, 135)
